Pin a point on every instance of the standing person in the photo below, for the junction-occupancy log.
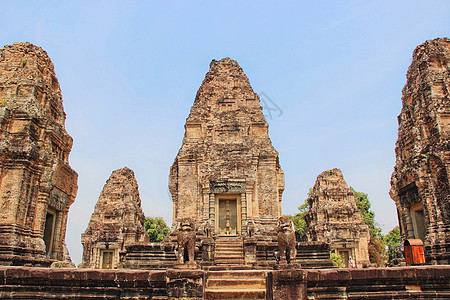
(351, 263)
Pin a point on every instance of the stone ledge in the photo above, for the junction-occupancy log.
(377, 283)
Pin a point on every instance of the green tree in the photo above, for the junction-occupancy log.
(377, 251)
(337, 259)
(392, 240)
(156, 229)
(299, 219)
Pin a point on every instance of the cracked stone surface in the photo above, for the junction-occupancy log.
(117, 221)
(419, 183)
(334, 218)
(37, 184)
(226, 150)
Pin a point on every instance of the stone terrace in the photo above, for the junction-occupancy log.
(430, 282)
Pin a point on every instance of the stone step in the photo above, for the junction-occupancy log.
(218, 248)
(228, 257)
(232, 245)
(240, 283)
(229, 244)
(235, 274)
(234, 262)
(221, 251)
(236, 284)
(228, 268)
(235, 294)
(228, 240)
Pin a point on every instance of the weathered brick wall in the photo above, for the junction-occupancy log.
(380, 283)
(334, 218)
(227, 150)
(425, 282)
(117, 221)
(420, 183)
(37, 184)
(47, 283)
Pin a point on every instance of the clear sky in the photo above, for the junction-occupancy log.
(129, 72)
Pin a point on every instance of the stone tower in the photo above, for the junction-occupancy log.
(419, 183)
(37, 185)
(227, 171)
(334, 218)
(117, 221)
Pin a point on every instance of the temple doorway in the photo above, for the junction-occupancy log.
(418, 221)
(49, 229)
(345, 254)
(228, 219)
(107, 259)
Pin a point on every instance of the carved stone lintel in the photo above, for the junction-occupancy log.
(220, 187)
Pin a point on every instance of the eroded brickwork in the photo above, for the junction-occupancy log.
(334, 218)
(37, 185)
(227, 170)
(419, 183)
(117, 222)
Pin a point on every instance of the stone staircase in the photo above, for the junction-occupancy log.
(229, 251)
(314, 255)
(235, 284)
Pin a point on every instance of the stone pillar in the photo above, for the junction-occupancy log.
(250, 251)
(208, 251)
(41, 212)
(249, 200)
(185, 284)
(56, 238)
(212, 204)
(205, 205)
(243, 212)
(289, 284)
(62, 235)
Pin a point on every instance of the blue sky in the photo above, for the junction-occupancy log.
(129, 72)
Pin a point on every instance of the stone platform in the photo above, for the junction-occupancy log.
(425, 282)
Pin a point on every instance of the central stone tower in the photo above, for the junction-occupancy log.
(227, 172)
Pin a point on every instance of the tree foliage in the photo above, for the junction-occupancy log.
(363, 203)
(299, 219)
(337, 260)
(377, 251)
(156, 229)
(392, 240)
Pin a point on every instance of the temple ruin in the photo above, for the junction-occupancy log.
(117, 221)
(419, 183)
(37, 185)
(226, 184)
(227, 174)
(228, 236)
(227, 170)
(334, 218)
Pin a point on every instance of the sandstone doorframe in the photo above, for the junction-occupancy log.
(231, 203)
(49, 231)
(103, 248)
(231, 189)
(417, 217)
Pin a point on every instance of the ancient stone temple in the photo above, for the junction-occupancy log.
(226, 185)
(117, 221)
(334, 218)
(37, 185)
(420, 183)
(227, 171)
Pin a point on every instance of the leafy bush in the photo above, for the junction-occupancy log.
(377, 251)
(337, 260)
(156, 229)
(392, 240)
